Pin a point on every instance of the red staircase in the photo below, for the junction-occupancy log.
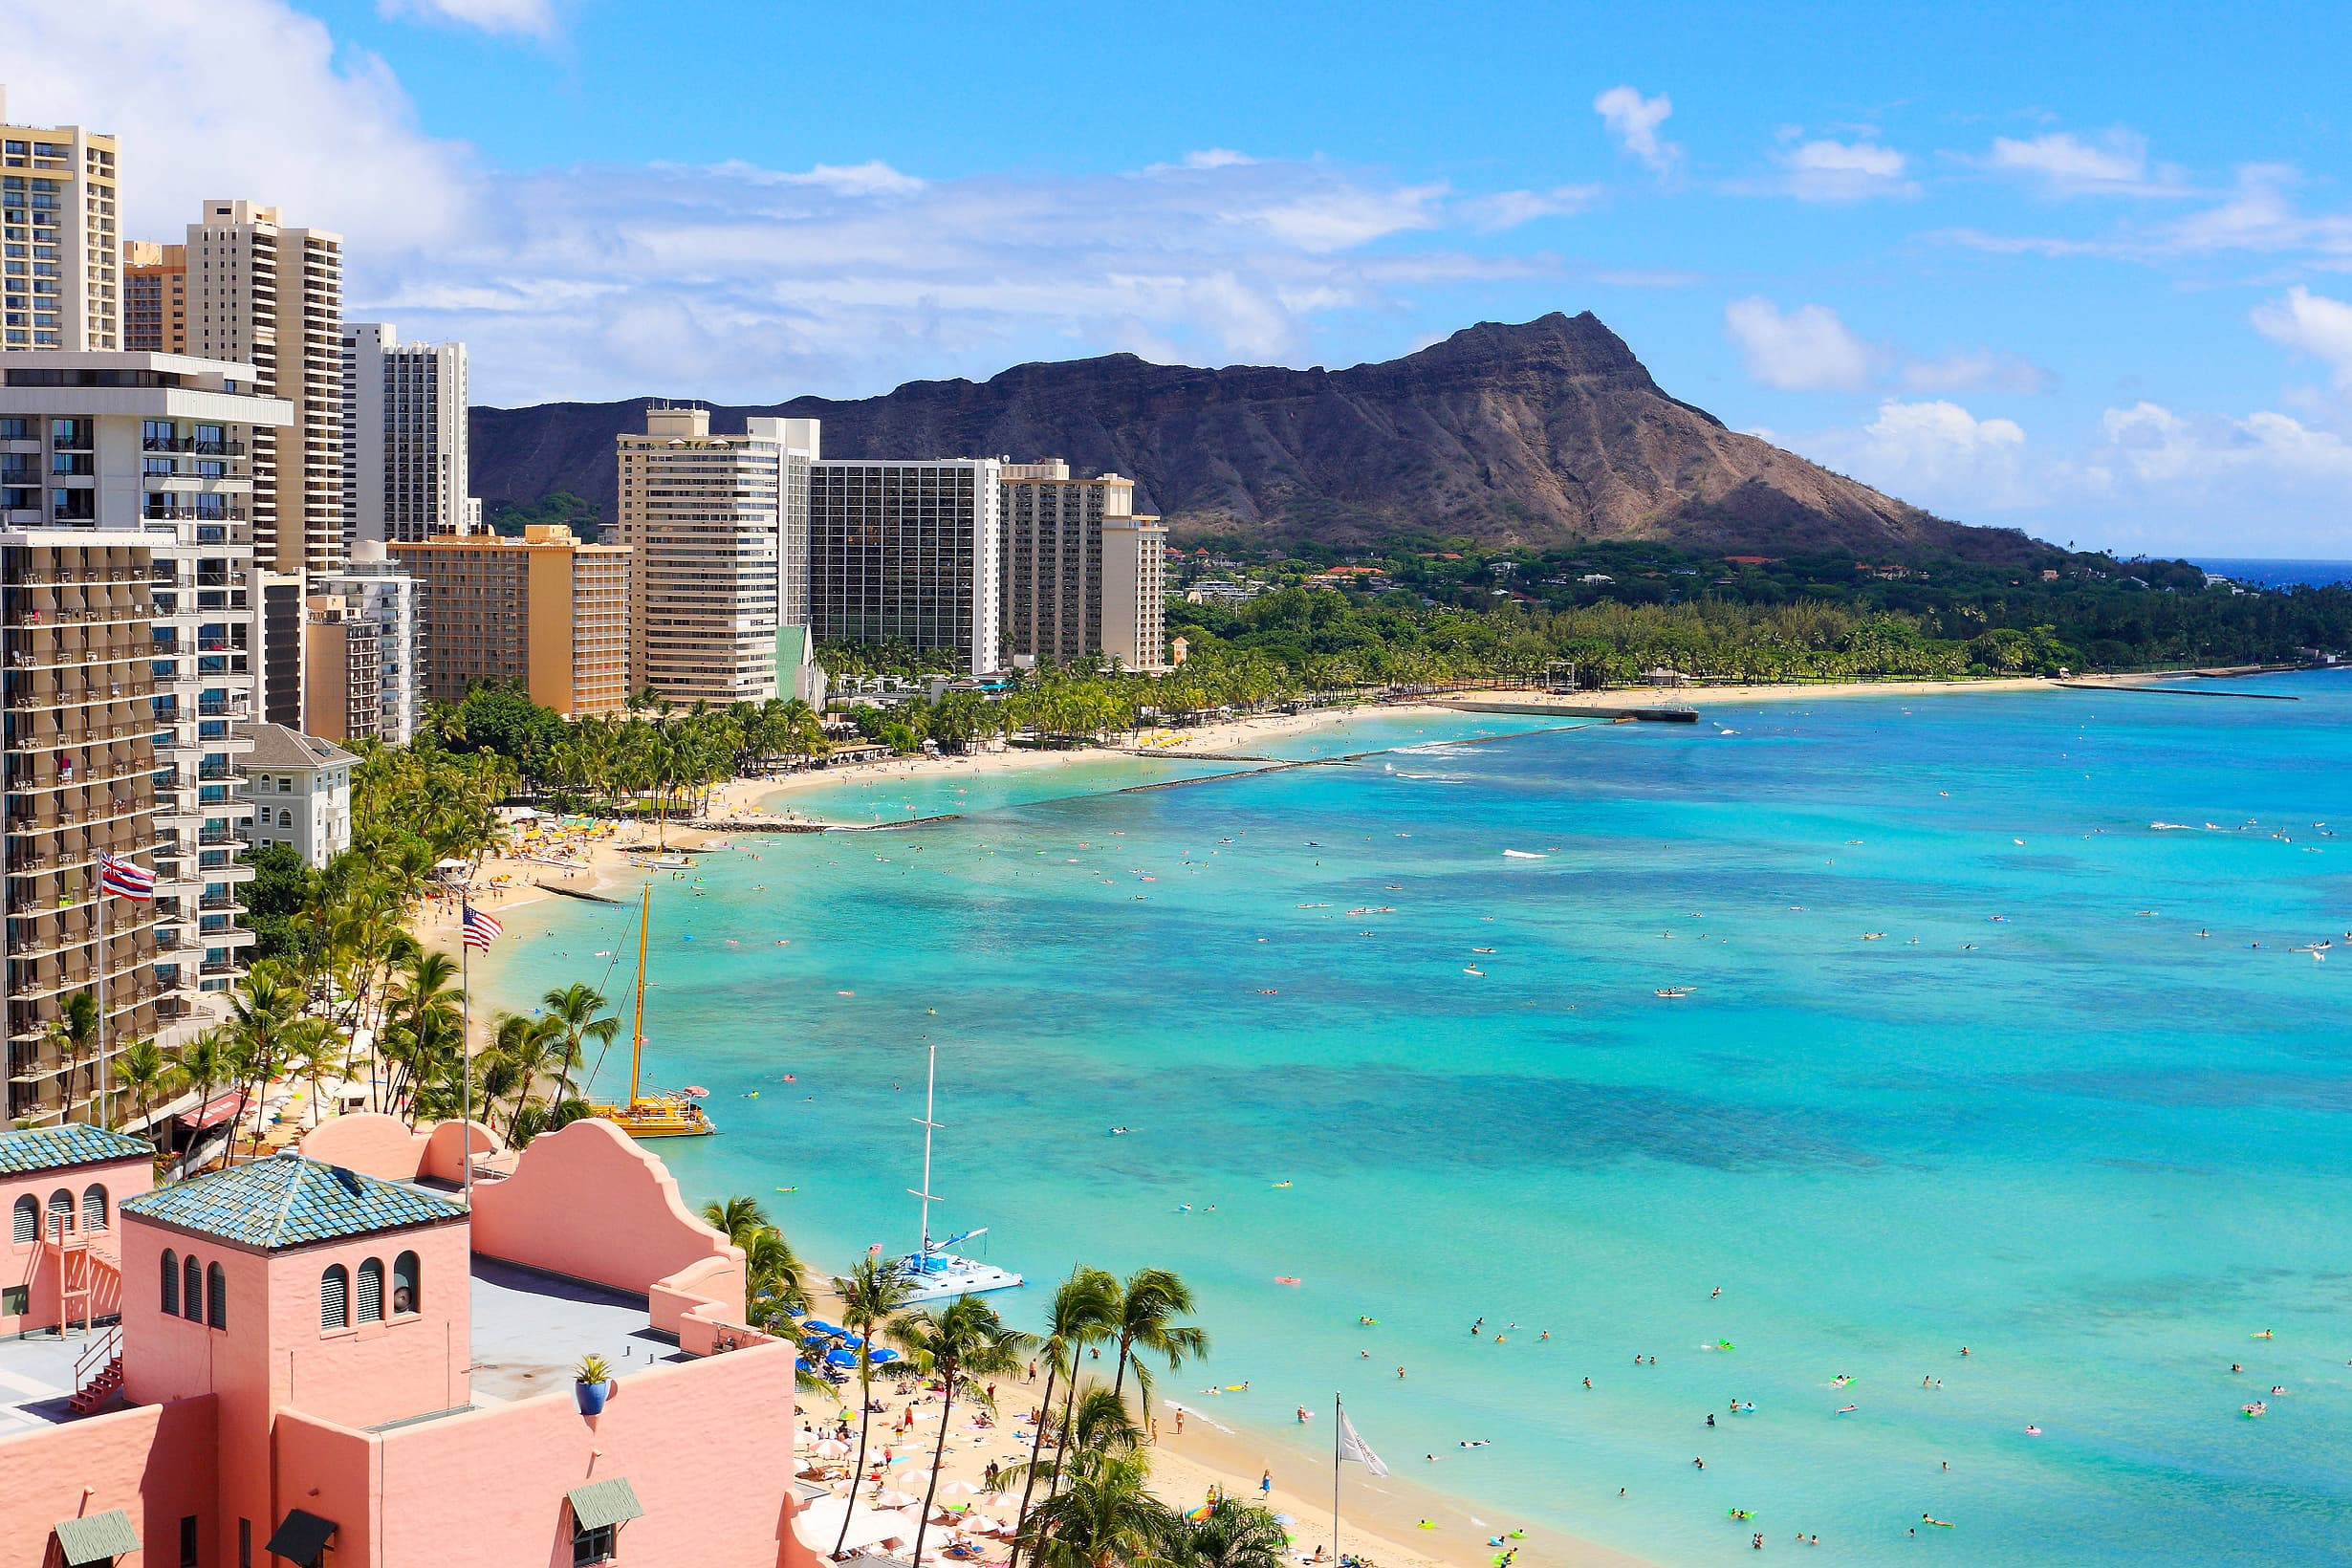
(98, 1375)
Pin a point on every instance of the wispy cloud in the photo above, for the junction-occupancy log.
(531, 17)
(1632, 122)
(1811, 349)
(2312, 324)
(2062, 164)
(1825, 169)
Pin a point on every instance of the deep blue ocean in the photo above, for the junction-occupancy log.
(1975, 1053)
(2279, 574)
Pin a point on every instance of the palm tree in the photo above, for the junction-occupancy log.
(144, 1070)
(958, 1343)
(871, 1293)
(739, 1219)
(773, 1274)
(1084, 1312)
(72, 1032)
(1148, 1306)
(576, 1013)
(205, 1061)
(261, 1018)
(1236, 1535)
(1108, 1518)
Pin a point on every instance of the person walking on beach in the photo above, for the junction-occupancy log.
(1265, 1484)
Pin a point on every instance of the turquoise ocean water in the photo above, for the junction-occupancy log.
(2040, 1115)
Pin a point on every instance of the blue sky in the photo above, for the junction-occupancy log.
(2085, 270)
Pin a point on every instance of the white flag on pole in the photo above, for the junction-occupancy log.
(1352, 1446)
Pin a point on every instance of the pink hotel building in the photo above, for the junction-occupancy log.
(324, 1358)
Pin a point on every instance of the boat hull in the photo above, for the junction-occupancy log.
(655, 1121)
(942, 1275)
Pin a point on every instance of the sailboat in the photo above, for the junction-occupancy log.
(932, 1270)
(654, 1115)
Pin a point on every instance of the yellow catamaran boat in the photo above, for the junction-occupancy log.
(654, 1115)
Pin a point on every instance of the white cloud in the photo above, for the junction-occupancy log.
(1632, 121)
(1806, 350)
(1935, 454)
(333, 141)
(1825, 171)
(737, 282)
(1509, 209)
(1978, 370)
(2065, 164)
(534, 17)
(2312, 324)
(2219, 453)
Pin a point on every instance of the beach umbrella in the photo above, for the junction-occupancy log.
(818, 1325)
(830, 1448)
(960, 1489)
(882, 1358)
(894, 1498)
(840, 1358)
(980, 1524)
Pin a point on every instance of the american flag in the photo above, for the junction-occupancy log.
(125, 880)
(481, 927)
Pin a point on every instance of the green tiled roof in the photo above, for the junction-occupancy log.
(288, 1201)
(601, 1503)
(74, 1144)
(101, 1537)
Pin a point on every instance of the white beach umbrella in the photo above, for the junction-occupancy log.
(830, 1448)
(980, 1524)
(960, 1489)
(894, 1498)
(819, 1524)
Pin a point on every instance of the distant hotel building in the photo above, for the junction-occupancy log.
(1083, 573)
(910, 551)
(126, 611)
(374, 594)
(717, 529)
(62, 286)
(545, 610)
(154, 297)
(269, 294)
(405, 467)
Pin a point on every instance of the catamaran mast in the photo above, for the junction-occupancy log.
(637, 1029)
(930, 1087)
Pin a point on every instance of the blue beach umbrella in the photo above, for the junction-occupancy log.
(882, 1358)
(839, 1358)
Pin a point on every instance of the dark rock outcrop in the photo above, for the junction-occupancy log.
(1541, 435)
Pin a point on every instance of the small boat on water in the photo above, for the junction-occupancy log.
(654, 1115)
(934, 1272)
(1673, 993)
(670, 861)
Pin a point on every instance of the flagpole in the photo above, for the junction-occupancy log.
(465, 992)
(1338, 1418)
(102, 1006)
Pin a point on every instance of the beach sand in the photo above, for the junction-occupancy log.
(1379, 1518)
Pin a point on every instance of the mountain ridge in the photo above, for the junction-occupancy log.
(1540, 434)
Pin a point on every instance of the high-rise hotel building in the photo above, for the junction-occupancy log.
(544, 610)
(911, 553)
(1083, 573)
(717, 529)
(126, 656)
(404, 447)
(60, 285)
(264, 293)
(154, 296)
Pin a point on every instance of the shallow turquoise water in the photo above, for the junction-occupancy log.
(2063, 1129)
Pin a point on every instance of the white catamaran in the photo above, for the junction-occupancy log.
(934, 1272)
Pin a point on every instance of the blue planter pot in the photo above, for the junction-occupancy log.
(592, 1396)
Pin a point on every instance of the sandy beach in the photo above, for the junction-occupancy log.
(1380, 1519)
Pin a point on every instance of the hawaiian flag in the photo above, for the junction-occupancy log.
(481, 927)
(125, 880)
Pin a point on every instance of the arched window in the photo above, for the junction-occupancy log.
(60, 1209)
(25, 1224)
(406, 1301)
(335, 1297)
(93, 1208)
(171, 1283)
(285, 818)
(216, 1297)
(192, 1291)
(371, 1290)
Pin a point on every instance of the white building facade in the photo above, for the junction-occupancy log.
(405, 463)
(300, 787)
(376, 590)
(60, 287)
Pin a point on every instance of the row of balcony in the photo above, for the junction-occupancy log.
(55, 694)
